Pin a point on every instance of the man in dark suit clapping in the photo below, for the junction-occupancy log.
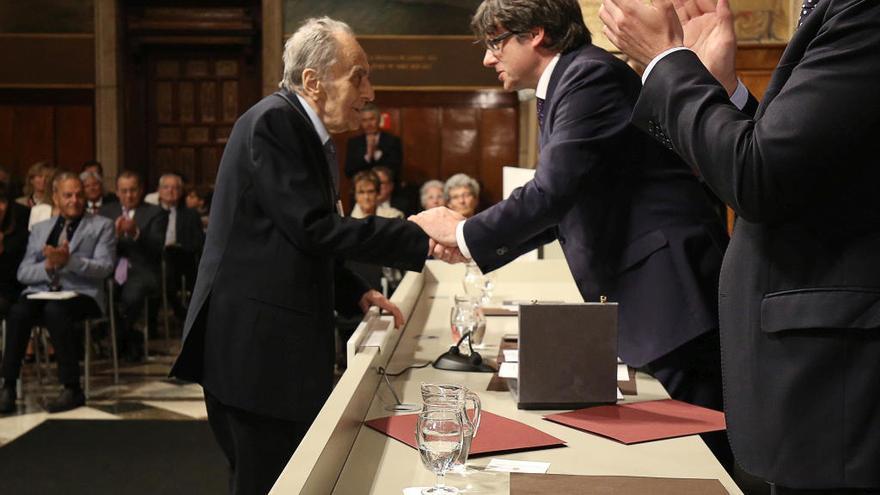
(800, 289)
(373, 148)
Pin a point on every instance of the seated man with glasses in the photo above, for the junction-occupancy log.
(69, 252)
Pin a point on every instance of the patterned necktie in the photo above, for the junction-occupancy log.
(121, 274)
(330, 154)
(540, 105)
(808, 7)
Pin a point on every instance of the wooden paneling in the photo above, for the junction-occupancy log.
(7, 150)
(49, 61)
(34, 134)
(74, 135)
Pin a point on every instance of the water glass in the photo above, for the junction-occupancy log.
(473, 280)
(439, 438)
(463, 317)
(446, 396)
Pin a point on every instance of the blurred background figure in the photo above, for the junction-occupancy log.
(13, 241)
(48, 208)
(373, 148)
(93, 186)
(431, 194)
(462, 194)
(366, 195)
(199, 199)
(36, 188)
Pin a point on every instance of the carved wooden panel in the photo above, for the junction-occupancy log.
(164, 103)
(208, 101)
(230, 101)
(186, 100)
(459, 152)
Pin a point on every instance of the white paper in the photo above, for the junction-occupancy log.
(510, 466)
(53, 296)
(622, 373)
(619, 394)
(509, 370)
(511, 355)
(415, 490)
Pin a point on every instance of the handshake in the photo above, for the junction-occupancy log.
(440, 224)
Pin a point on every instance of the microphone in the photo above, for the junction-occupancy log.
(454, 360)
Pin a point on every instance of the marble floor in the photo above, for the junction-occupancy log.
(144, 392)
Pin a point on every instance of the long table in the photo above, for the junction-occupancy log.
(341, 455)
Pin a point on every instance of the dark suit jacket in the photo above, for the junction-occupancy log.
(188, 231)
(632, 219)
(392, 156)
(259, 331)
(800, 288)
(144, 253)
(15, 239)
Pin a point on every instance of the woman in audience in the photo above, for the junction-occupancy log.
(199, 199)
(13, 242)
(462, 194)
(431, 194)
(47, 209)
(366, 197)
(37, 189)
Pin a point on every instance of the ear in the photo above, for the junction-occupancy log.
(312, 86)
(538, 36)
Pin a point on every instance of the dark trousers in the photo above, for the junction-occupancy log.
(692, 373)
(257, 447)
(60, 317)
(141, 284)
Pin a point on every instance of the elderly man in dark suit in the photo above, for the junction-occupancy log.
(140, 229)
(800, 289)
(634, 223)
(259, 334)
(75, 252)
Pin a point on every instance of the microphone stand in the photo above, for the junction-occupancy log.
(454, 360)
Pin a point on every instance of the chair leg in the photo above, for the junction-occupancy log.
(38, 364)
(113, 346)
(147, 328)
(87, 359)
(164, 290)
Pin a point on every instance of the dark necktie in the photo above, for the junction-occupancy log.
(330, 154)
(540, 105)
(808, 7)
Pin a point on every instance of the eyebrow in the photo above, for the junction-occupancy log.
(359, 70)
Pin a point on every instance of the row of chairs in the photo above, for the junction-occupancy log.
(39, 334)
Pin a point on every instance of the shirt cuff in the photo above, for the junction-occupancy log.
(459, 239)
(740, 95)
(651, 65)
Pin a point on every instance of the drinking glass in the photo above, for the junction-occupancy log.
(463, 317)
(473, 280)
(488, 288)
(439, 437)
(444, 396)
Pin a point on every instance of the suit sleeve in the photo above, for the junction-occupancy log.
(100, 263)
(32, 270)
(768, 167)
(289, 189)
(349, 287)
(591, 114)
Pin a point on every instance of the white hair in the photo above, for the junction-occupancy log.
(312, 46)
(423, 191)
(461, 180)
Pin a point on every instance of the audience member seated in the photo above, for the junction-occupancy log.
(140, 230)
(184, 239)
(366, 197)
(462, 194)
(372, 148)
(93, 183)
(431, 195)
(48, 209)
(13, 241)
(199, 199)
(36, 189)
(70, 252)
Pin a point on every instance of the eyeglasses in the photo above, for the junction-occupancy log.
(494, 44)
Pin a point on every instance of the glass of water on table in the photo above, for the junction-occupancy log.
(439, 436)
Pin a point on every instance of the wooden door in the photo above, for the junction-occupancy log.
(193, 99)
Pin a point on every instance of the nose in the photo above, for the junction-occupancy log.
(489, 59)
(367, 90)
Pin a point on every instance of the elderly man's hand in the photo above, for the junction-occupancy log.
(709, 32)
(375, 298)
(641, 31)
(439, 223)
(445, 253)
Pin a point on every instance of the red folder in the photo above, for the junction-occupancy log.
(643, 421)
(496, 434)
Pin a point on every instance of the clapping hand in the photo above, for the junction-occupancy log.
(641, 31)
(709, 31)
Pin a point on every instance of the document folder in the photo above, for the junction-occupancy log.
(567, 356)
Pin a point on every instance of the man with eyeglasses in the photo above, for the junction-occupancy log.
(634, 222)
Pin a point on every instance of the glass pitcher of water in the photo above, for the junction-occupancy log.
(448, 395)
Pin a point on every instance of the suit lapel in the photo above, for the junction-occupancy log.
(300, 112)
(549, 103)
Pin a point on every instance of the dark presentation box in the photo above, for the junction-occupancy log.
(567, 356)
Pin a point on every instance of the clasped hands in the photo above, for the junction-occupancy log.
(440, 224)
(645, 31)
(126, 227)
(56, 257)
